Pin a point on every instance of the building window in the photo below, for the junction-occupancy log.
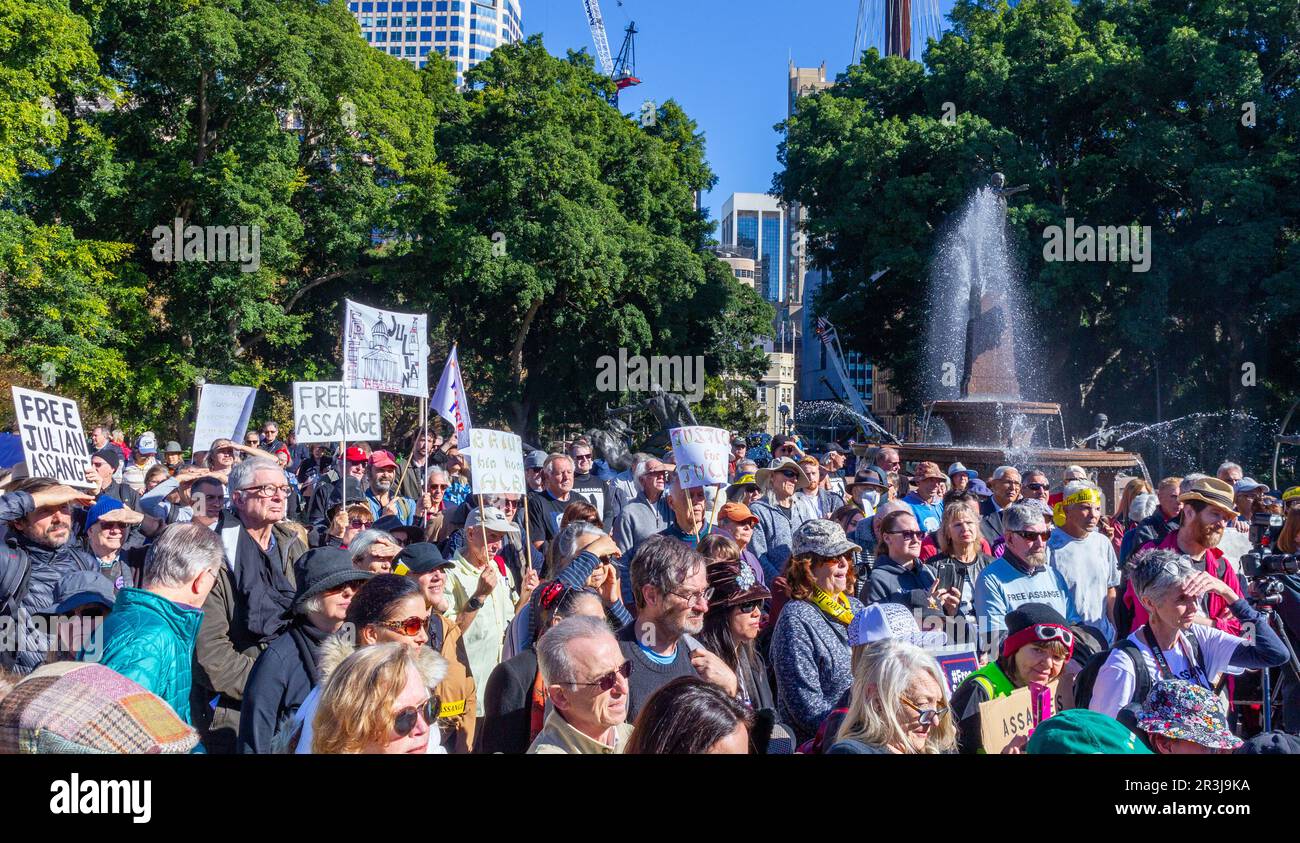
(455, 49)
(381, 22)
(441, 20)
(457, 21)
(382, 6)
(369, 36)
(381, 37)
(440, 36)
(367, 20)
(426, 5)
(352, 7)
(426, 35)
(367, 7)
(442, 6)
(426, 20)
(424, 51)
(412, 5)
(410, 51)
(410, 20)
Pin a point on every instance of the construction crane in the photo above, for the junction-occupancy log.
(623, 69)
(827, 334)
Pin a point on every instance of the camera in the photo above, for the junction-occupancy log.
(1260, 562)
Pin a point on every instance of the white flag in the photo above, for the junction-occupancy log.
(449, 400)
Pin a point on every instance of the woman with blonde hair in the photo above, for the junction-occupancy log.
(899, 704)
(379, 700)
(960, 559)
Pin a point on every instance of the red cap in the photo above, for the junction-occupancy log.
(382, 459)
(354, 454)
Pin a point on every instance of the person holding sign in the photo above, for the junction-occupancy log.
(899, 704)
(1038, 644)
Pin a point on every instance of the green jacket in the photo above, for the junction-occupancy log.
(150, 640)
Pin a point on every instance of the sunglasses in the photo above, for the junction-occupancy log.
(1037, 487)
(748, 607)
(1044, 632)
(609, 680)
(582, 456)
(926, 716)
(908, 535)
(439, 486)
(404, 721)
(410, 627)
(789, 475)
(358, 524)
(1030, 535)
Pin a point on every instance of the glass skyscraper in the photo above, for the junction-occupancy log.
(464, 31)
(757, 221)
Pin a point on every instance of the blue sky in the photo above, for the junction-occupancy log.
(724, 61)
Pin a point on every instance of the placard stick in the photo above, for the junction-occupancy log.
(481, 525)
(528, 535)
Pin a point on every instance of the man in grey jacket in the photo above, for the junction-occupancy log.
(642, 517)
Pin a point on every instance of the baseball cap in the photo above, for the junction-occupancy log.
(382, 459)
(147, 444)
(492, 518)
(739, 513)
(77, 589)
(535, 459)
(355, 454)
(1248, 484)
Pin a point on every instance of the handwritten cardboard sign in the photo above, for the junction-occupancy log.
(496, 461)
(326, 411)
(701, 454)
(385, 351)
(54, 444)
(1005, 718)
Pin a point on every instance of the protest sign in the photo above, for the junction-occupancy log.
(224, 412)
(326, 411)
(701, 454)
(53, 442)
(496, 462)
(957, 665)
(385, 351)
(1005, 718)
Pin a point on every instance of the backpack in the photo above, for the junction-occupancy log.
(1142, 685)
(15, 579)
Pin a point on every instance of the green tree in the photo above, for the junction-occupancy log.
(597, 241)
(1114, 114)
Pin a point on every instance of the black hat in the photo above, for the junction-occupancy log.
(1270, 743)
(110, 455)
(1032, 614)
(322, 569)
(409, 533)
(421, 558)
(355, 494)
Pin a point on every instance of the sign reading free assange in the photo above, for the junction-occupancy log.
(325, 411)
(54, 444)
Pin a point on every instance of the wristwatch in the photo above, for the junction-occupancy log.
(474, 604)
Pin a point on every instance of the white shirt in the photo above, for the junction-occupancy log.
(1117, 679)
(1090, 569)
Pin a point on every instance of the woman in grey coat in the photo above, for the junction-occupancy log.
(810, 645)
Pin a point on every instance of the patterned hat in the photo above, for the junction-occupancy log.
(733, 583)
(87, 709)
(891, 620)
(822, 537)
(1186, 711)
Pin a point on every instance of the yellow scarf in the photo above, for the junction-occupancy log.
(837, 607)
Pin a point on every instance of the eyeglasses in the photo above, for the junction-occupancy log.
(358, 524)
(267, 491)
(506, 504)
(1031, 535)
(410, 627)
(908, 535)
(582, 457)
(441, 487)
(696, 596)
(404, 721)
(1037, 487)
(926, 716)
(609, 680)
(748, 606)
(111, 525)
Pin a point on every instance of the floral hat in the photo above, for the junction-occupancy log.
(1186, 711)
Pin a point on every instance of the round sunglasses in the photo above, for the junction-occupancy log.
(404, 721)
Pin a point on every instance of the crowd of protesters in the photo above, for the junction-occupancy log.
(279, 597)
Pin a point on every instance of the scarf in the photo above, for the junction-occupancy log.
(836, 607)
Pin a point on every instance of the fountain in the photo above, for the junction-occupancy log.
(975, 307)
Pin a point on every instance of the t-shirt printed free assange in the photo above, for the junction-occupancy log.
(1117, 680)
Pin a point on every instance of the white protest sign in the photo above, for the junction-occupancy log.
(325, 411)
(496, 461)
(224, 412)
(385, 351)
(53, 442)
(701, 454)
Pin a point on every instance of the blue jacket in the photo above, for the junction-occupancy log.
(775, 533)
(150, 640)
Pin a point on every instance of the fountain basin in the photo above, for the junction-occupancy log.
(1105, 465)
(988, 420)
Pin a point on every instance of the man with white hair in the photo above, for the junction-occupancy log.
(1005, 485)
(149, 636)
(1085, 557)
(1023, 574)
(645, 514)
(250, 602)
(546, 508)
(1230, 473)
(586, 676)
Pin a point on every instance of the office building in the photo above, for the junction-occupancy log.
(757, 221)
(464, 31)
